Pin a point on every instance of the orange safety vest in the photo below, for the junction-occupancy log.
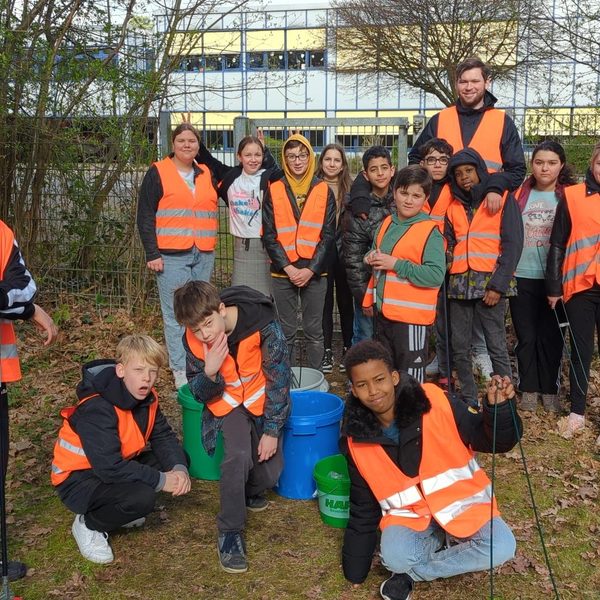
(299, 239)
(478, 242)
(10, 369)
(486, 140)
(450, 487)
(402, 300)
(438, 212)
(581, 267)
(69, 454)
(244, 377)
(183, 219)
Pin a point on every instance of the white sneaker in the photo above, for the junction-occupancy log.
(483, 364)
(180, 378)
(433, 368)
(93, 545)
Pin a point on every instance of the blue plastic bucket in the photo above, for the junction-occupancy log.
(311, 433)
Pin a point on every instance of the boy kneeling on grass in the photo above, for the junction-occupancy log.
(413, 473)
(238, 366)
(101, 468)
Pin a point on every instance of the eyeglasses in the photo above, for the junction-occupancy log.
(297, 157)
(432, 160)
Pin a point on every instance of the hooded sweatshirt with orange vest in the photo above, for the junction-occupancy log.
(474, 430)
(506, 227)
(255, 319)
(513, 168)
(95, 422)
(17, 292)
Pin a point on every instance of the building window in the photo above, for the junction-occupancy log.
(231, 61)
(190, 64)
(296, 60)
(215, 139)
(213, 63)
(276, 61)
(255, 60)
(316, 59)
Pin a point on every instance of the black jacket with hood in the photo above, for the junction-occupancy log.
(511, 148)
(95, 422)
(475, 430)
(511, 226)
(561, 230)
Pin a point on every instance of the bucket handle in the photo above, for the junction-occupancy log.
(318, 494)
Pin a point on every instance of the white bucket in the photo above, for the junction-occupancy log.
(305, 378)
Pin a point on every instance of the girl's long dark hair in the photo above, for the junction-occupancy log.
(344, 179)
(566, 175)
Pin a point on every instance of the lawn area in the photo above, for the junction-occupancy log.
(292, 555)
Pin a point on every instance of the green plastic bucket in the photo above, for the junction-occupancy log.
(333, 490)
(202, 466)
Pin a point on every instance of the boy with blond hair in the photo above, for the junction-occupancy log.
(101, 468)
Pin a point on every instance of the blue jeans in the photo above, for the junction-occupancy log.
(419, 554)
(362, 326)
(193, 265)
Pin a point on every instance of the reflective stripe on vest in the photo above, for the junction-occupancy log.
(450, 485)
(10, 368)
(487, 138)
(438, 212)
(402, 300)
(478, 242)
(183, 219)
(69, 454)
(243, 376)
(299, 239)
(581, 267)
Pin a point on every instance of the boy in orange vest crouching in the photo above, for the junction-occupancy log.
(410, 451)
(238, 366)
(101, 468)
(409, 265)
(483, 251)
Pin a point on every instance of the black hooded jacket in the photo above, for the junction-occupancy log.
(511, 149)
(561, 230)
(95, 422)
(511, 226)
(476, 432)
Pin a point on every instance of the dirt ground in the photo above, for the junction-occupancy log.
(292, 554)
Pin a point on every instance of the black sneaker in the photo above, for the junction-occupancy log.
(232, 552)
(342, 365)
(16, 570)
(327, 362)
(398, 587)
(256, 503)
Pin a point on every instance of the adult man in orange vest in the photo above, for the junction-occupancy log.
(17, 292)
(474, 122)
(413, 473)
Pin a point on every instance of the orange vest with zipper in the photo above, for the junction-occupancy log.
(183, 219)
(299, 239)
(450, 487)
(438, 212)
(478, 242)
(581, 267)
(10, 369)
(244, 377)
(486, 140)
(402, 300)
(69, 454)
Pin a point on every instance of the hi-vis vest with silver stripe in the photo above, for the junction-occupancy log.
(299, 239)
(438, 212)
(478, 242)
(69, 454)
(581, 267)
(486, 140)
(183, 219)
(451, 488)
(10, 368)
(244, 377)
(402, 300)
